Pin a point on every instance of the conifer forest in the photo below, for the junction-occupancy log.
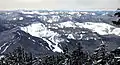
(100, 56)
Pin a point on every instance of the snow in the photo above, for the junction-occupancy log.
(6, 48)
(34, 12)
(38, 30)
(83, 32)
(43, 17)
(24, 12)
(47, 48)
(97, 49)
(118, 60)
(117, 57)
(41, 44)
(29, 38)
(95, 38)
(33, 40)
(100, 28)
(30, 16)
(67, 24)
(105, 13)
(54, 38)
(44, 13)
(49, 43)
(14, 18)
(2, 56)
(18, 33)
(118, 48)
(70, 36)
(3, 45)
(99, 60)
(71, 13)
(93, 13)
(87, 38)
(84, 12)
(116, 31)
(81, 36)
(50, 21)
(56, 48)
(54, 18)
(21, 18)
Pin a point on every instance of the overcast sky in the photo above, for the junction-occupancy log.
(59, 4)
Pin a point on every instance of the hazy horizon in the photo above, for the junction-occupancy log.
(59, 4)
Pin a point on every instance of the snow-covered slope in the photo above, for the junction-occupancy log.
(40, 30)
(101, 28)
(53, 38)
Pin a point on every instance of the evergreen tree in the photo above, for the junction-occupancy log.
(118, 8)
(101, 56)
(17, 57)
(79, 57)
(116, 54)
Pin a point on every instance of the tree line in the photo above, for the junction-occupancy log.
(100, 56)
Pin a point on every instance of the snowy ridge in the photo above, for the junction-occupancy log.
(40, 30)
(34, 12)
(100, 28)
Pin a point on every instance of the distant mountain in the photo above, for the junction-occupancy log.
(49, 32)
